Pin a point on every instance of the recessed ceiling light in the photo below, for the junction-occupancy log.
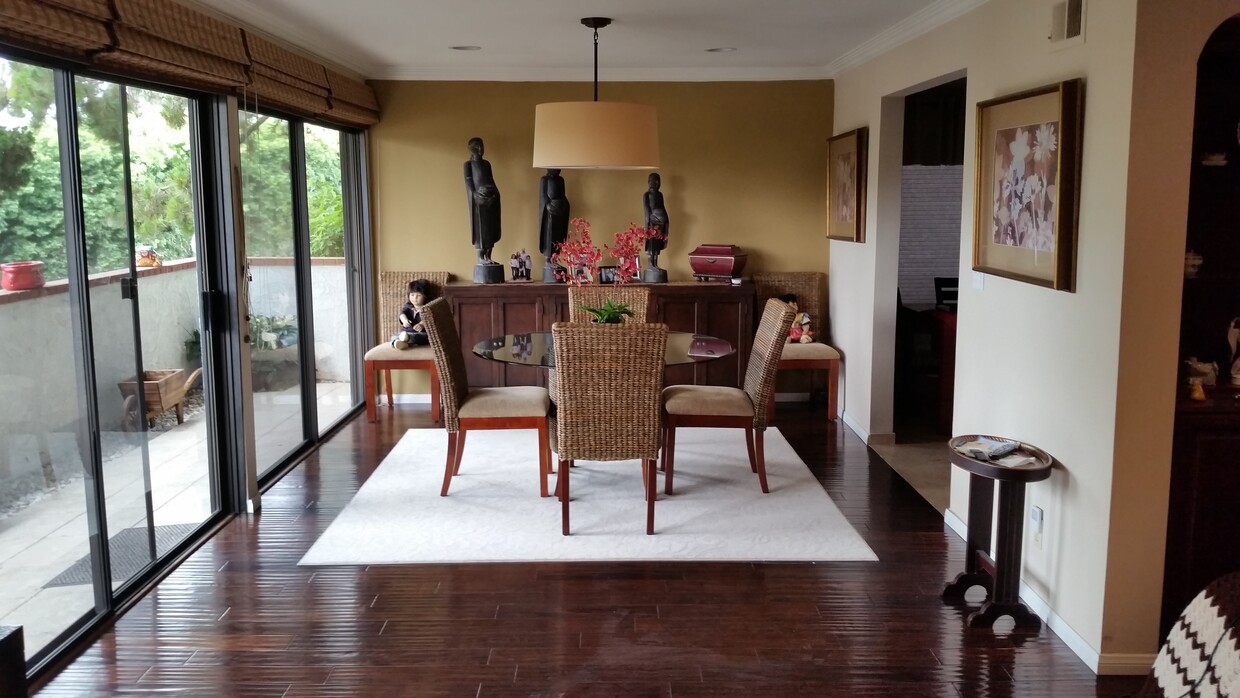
(465, 48)
(721, 49)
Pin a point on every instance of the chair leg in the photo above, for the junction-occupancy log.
(544, 459)
(648, 467)
(561, 487)
(387, 381)
(753, 464)
(460, 448)
(760, 450)
(833, 385)
(435, 395)
(450, 463)
(369, 380)
(669, 458)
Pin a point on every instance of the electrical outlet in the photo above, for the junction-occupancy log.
(1036, 517)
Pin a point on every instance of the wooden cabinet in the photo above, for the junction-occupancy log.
(722, 310)
(1202, 517)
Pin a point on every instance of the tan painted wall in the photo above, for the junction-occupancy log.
(742, 163)
(1032, 363)
(1168, 43)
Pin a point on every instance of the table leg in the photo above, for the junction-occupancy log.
(981, 509)
(1005, 601)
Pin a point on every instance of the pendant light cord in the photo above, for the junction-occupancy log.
(596, 64)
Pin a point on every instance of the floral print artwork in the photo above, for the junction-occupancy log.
(1023, 203)
(844, 173)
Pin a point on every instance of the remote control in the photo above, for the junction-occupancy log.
(1003, 449)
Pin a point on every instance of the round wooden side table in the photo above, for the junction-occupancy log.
(999, 575)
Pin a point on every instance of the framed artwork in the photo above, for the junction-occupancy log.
(846, 158)
(1028, 171)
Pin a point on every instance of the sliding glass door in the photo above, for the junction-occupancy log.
(106, 459)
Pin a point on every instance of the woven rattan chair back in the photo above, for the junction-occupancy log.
(593, 295)
(610, 386)
(768, 346)
(809, 287)
(449, 361)
(393, 294)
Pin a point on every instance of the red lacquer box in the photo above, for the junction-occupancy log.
(717, 262)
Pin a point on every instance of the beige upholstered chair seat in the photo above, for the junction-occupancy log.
(814, 351)
(707, 400)
(387, 352)
(513, 401)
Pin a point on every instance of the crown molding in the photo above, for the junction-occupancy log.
(493, 73)
(905, 30)
(252, 17)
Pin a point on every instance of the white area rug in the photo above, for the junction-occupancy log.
(493, 512)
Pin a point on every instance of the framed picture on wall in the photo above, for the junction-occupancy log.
(846, 160)
(1028, 172)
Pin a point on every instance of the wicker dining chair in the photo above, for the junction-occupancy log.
(387, 358)
(719, 406)
(465, 410)
(593, 295)
(808, 287)
(608, 400)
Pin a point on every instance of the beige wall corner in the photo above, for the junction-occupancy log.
(1169, 39)
(1049, 376)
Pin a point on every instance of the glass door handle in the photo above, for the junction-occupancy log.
(129, 288)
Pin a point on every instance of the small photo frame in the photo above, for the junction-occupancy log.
(846, 161)
(607, 275)
(1028, 171)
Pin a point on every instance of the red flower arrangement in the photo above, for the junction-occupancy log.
(629, 245)
(577, 258)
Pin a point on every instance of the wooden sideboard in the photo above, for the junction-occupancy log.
(484, 311)
(1202, 517)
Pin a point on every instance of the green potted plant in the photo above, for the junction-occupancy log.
(610, 312)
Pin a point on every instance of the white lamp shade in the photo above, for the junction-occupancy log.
(596, 136)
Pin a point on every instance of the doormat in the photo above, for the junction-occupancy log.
(130, 551)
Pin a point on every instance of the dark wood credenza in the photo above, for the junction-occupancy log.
(1203, 519)
(721, 310)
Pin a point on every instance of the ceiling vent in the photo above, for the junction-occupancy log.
(1067, 21)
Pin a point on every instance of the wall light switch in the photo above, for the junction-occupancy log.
(979, 280)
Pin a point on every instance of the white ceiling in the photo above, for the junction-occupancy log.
(544, 39)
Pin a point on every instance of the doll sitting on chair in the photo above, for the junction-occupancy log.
(800, 331)
(412, 332)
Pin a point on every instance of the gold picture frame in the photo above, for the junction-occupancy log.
(1028, 170)
(846, 161)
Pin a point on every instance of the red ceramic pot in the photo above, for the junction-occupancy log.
(19, 276)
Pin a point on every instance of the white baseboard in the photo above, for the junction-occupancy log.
(1108, 664)
(406, 399)
(851, 424)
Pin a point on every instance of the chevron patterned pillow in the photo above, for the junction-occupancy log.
(1201, 657)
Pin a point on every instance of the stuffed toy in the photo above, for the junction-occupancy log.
(412, 332)
(800, 331)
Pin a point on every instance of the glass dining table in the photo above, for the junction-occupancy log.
(537, 349)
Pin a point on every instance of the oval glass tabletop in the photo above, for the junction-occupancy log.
(535, 349)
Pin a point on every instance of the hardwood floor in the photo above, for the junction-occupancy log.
(240, 618)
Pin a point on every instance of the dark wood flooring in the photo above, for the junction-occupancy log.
(240, 618)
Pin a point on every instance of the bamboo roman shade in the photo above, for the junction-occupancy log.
(72, 29)
(161, 39)
(166, 42)
(286, 79)
(352, 101)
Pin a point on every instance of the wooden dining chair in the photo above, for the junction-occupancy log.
(808, 287)
(608, 400)
(593, 295)
(465, 410)
(387, 358)
(719, 406)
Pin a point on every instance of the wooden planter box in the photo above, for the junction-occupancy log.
(162, 389)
